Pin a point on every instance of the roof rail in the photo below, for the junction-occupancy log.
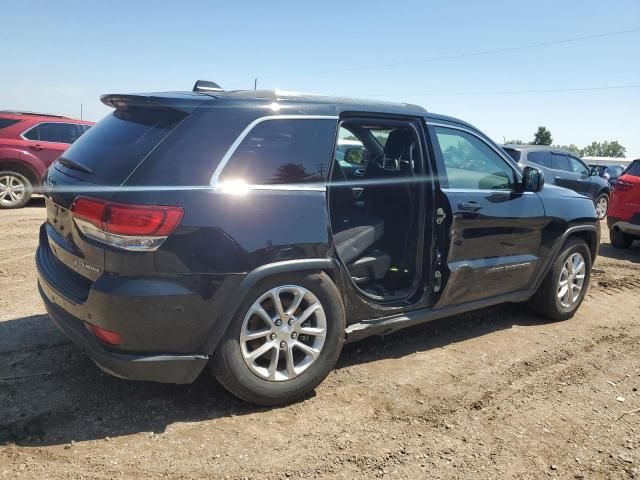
(39, 114)
(207, 86)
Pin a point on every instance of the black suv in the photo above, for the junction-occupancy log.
(214, 227)
(564, 168)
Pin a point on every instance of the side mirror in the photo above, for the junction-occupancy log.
(532, 179)
(354, 155)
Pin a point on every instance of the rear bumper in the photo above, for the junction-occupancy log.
(156, 368)
(631, 226)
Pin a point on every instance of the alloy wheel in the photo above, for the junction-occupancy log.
(571, 280)
(601, 207)
(12, 190)
(283, 333)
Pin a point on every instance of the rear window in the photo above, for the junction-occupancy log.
(7, 122)
(116, 145)
(633, 169)
(540, 158)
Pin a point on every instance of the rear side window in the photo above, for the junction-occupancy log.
(540, 158)
(283, 151)
(560, 162)
(7, 122)
(56, 132)
(115, 146)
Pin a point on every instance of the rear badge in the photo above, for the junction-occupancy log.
(87, 266)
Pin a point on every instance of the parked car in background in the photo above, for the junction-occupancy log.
(565, 169)
(609, 172)
(244, 250)
(29, 143)
(624, 212)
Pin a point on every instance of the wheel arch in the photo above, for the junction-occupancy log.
(20, 167)
(230, 308)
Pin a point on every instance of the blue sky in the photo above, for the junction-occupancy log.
(60, 54)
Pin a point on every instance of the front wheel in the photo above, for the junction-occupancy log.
(283, 341)
(566, 283)
(15, 190)
(602, 205)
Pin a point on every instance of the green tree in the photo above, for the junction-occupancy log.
(514, 142)
(604, 149)
(572, 148)
(542, 137)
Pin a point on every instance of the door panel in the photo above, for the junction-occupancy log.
(493, 232)
(494, 249)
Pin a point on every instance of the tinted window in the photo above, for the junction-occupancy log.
(54, 132)
(578, 166)
(513, 153)
(472, 164)
(117, 144)
(540, 158)
(633, 169)
(7, 122)
(560, 162)
(283, 151)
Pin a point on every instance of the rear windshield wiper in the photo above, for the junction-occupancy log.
(75, 165)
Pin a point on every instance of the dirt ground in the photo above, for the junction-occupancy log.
(499, 393)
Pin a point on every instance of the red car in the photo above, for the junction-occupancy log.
(624, 211)
(29, 143)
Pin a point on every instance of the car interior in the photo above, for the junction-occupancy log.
(375, 216)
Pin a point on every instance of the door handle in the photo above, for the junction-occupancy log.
(359, 172)
(36, 147)
(470, 206)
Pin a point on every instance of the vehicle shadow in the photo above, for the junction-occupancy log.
(52, 393)
(631, 254)
(36, 201)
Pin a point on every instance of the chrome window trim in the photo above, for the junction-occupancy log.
(22, 135)
(500, 153)
(215, 178)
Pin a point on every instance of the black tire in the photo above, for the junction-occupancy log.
(603, 197)
(7, 202)
(545, 301)
(228, 364)
(619, 239)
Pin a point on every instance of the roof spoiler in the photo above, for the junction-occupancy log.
(160, 100)
(206, 86)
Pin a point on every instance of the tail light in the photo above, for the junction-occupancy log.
(131, 227)
(106, 336)
(622, 186)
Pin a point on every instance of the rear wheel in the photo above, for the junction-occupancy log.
(619, 239)
(602, 205)
(283, 341)
(15, 190)
(566, 283)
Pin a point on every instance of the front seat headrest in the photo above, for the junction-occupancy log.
(398, 143)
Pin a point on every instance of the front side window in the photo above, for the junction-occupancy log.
(579, 167)
(283, 151)
(472, 164)
(560, 161)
